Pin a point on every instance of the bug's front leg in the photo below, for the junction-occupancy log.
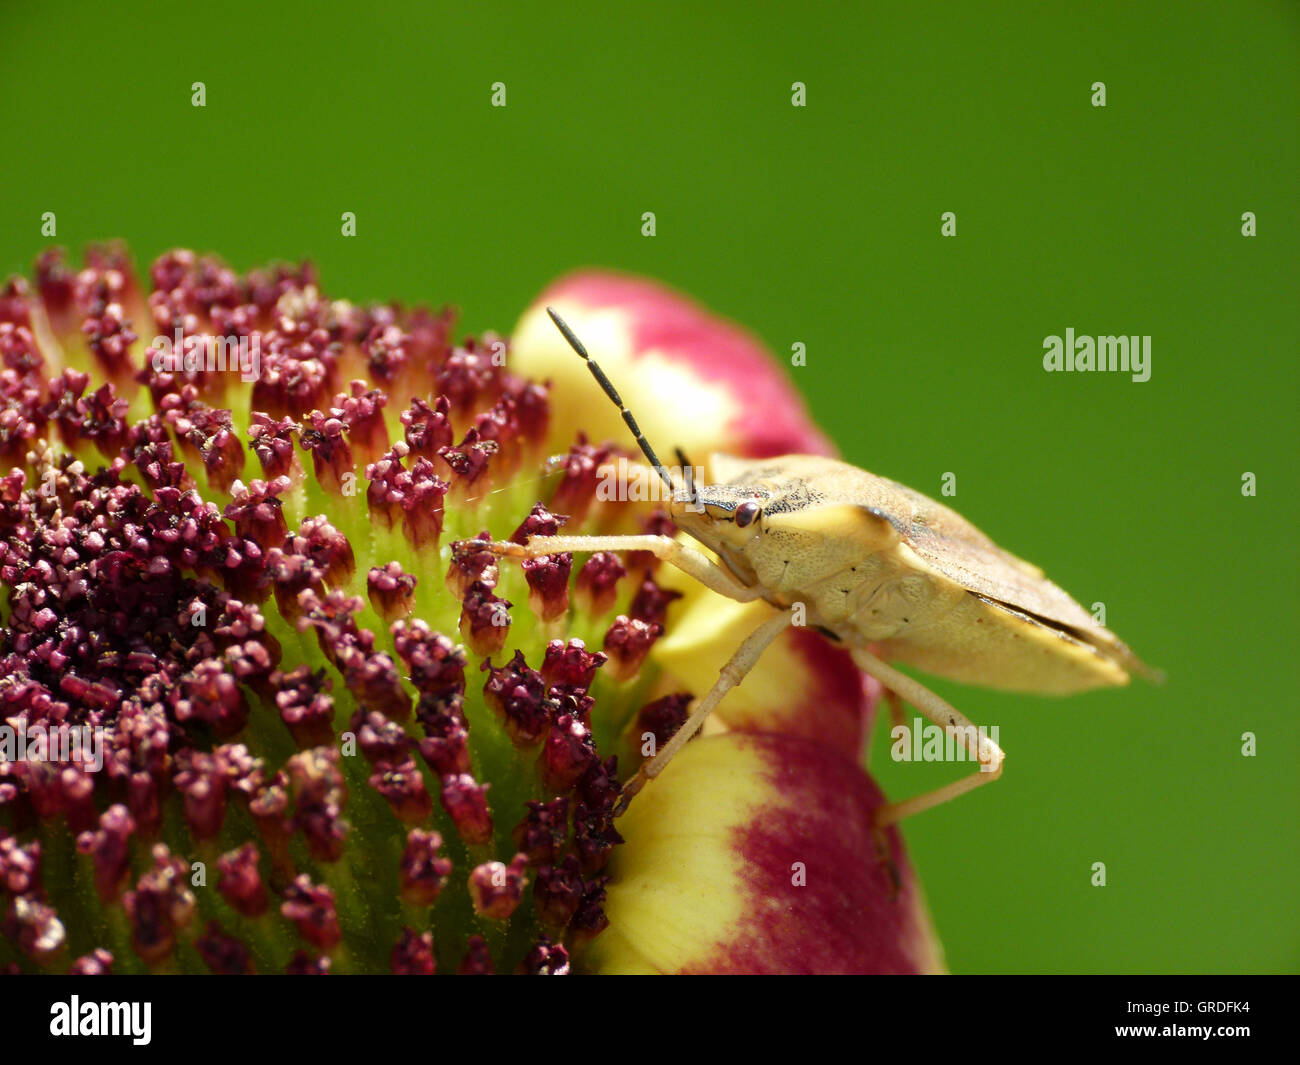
(730, 675)
(690, 561)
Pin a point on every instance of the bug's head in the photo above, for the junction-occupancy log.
(720, 516)
(807, 508)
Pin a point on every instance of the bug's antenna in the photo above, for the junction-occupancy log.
(609, 390)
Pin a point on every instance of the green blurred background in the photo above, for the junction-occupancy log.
(822, 225)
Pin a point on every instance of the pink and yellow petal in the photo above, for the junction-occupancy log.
(756, 854)
(693, 379)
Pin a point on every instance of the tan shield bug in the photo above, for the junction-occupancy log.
(877, 566)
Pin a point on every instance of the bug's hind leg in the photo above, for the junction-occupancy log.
(896, 720)
(977, 744)
(731, 674)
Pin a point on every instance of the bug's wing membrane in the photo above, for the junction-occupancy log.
(964, 554)
(958, 550)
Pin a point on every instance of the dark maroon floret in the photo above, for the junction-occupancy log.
(207, 433)
(548, 585)
(468, 461)
(15, 303)
(558, 892)
(651, 603)
(35, 927)
(594, 836)
(428, 429)
(472, 563)
(374, 681)
(484, 620)
(477, 960)
(272, 443)
(402, 787)
(201, 781)
(306, 708)
(109, 336)
(387, 355)
(320, 796)
(597, 587)
(257, 512)
(392, 591)
(240, 882)
(20, 866)
(436, 665)
(424, 871)
(298, 372)
(540, 522)
(210, 695)
(531, 409)
(599, 787)
(55, 283)
(225, 955)
(627, 643)
(663, 717)
(518, 694)
(570, 665)
(362, 412)
(445, 746)
(333, 616)
(470, 376)
(98, 962)
(545, 959)
(160, 905)
(568, 753)
(304, 964)
(412, 498)
(497, 889)
(590, 920)
(327, 441)
(413, 954)
(465, 801)
(311, 907)
(379, 738)
(541, 835)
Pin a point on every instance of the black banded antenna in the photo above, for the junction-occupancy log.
(608, 388)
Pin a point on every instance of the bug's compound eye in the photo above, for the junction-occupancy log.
(747, 513)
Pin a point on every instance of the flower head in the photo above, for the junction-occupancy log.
(266, 691)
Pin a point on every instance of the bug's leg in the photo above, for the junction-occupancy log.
(895, 702)
(731, 674)
(978, 745)
(896, 719)
(690, 561)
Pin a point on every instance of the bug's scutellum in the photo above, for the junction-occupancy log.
(882, 569)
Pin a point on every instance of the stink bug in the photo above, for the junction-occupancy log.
(880, 568)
